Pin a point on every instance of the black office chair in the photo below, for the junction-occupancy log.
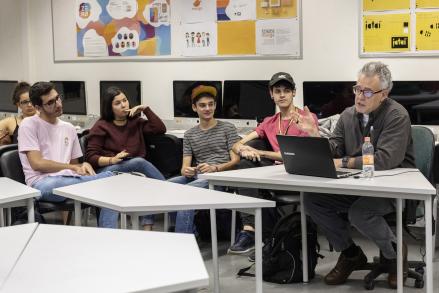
(11, 166)
(6, 148)
(423, 144)
(165, 152)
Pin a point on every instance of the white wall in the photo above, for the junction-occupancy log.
(330, 52)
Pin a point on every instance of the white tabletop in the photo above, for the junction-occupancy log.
(82, 259)
(413, 183)
(11, 191)
(13, 241)
(129, 193)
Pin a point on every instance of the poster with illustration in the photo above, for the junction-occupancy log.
(236, 10)
(199, 39)
(123, 28)
(193, 11)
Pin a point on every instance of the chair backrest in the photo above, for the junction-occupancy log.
(5, 148)
(83, 140)
(11, 166)
(423, 145)
(165, 152)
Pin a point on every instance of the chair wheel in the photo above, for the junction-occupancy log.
(369, 285)
(419, 284)
(420, 270)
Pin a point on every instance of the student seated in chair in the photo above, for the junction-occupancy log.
(9, 126)
(282, 90)
(207, 148)
(116, 141)
(392, 141)
(49, 150)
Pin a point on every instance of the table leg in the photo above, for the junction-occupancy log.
(216, 288)
(9, 217)
(233, 230)
(304, 239)
(77, 205)
(399, 244)
(429, 245)
(30, 210)
(166, 222)
(134, 222)
(258, 248)
(2, 218)
(123, 220)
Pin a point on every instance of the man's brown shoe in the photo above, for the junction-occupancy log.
(344, 267)
(392, 278)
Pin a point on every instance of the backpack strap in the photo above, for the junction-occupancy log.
(243, 272)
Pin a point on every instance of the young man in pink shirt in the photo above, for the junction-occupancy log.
(286, 122)
(49, 150)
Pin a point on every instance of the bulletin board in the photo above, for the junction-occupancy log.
(176, 29)
(398, 28)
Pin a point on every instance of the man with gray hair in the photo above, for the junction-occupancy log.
(387, 124)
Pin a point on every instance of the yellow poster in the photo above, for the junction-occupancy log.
(386, 33)
(427, 3)
(237, 38)
(427, 31)
(369, 5)
(268, 9)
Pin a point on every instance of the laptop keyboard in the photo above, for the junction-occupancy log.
(343, 172)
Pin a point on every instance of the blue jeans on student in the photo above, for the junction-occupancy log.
(107, 217)
(137, 165)
(184, 221)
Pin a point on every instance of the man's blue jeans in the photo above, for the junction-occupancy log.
(137, 165)
(107, 217)
(184, 221)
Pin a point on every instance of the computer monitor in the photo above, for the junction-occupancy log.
(131, 88)
(6, 91)
(75, 102)
(182, 97)
(327, 98)
(420, 98)
(248, 100)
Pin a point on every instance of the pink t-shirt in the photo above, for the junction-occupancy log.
(57, 142)
(269, 128)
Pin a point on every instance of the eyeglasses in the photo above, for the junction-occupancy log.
(25, 102)
(368, 93)
(53, 101)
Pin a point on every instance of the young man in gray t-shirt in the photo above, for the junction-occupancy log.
(207, 148)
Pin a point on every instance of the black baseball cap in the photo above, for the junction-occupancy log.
(280, 76)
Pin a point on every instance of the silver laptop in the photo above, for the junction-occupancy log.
(309, 156)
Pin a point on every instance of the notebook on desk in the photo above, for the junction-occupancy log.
(309, 156)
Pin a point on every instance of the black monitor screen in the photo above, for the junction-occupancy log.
(182, 97)
(74, 96)
(6, 91)
(131, 88)
(420, 98)
(247, 99)
(327, 98)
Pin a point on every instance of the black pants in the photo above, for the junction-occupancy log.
(269, 215)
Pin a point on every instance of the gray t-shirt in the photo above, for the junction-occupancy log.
(210, 146)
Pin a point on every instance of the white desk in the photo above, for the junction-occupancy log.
(83, 259)
(404, 186)
(12, 244)
(13, 193)
(133, 194)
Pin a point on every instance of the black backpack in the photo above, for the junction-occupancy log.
(282, 255)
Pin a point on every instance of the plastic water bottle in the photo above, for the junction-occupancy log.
(368, 164)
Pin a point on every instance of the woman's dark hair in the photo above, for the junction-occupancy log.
(39, 89)
(107, 102)
(21, 88)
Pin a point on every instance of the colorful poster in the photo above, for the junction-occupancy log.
(386, 33)
(193, 11)
(236, 38)
(269, 9)
(199, 39)
(427, 3)
(123, 28)
(277, 37)
(380, 5)
(427, 31)
(236, 10)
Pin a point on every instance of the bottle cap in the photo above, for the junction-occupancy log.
(367, 139)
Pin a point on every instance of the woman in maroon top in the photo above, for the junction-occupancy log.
(116, 141)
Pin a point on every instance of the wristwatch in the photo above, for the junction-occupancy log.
(344, 162)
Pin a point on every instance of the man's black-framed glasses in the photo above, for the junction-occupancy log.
(368, 93)
(52, 102)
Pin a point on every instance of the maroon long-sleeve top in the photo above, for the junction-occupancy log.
(107, 139)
